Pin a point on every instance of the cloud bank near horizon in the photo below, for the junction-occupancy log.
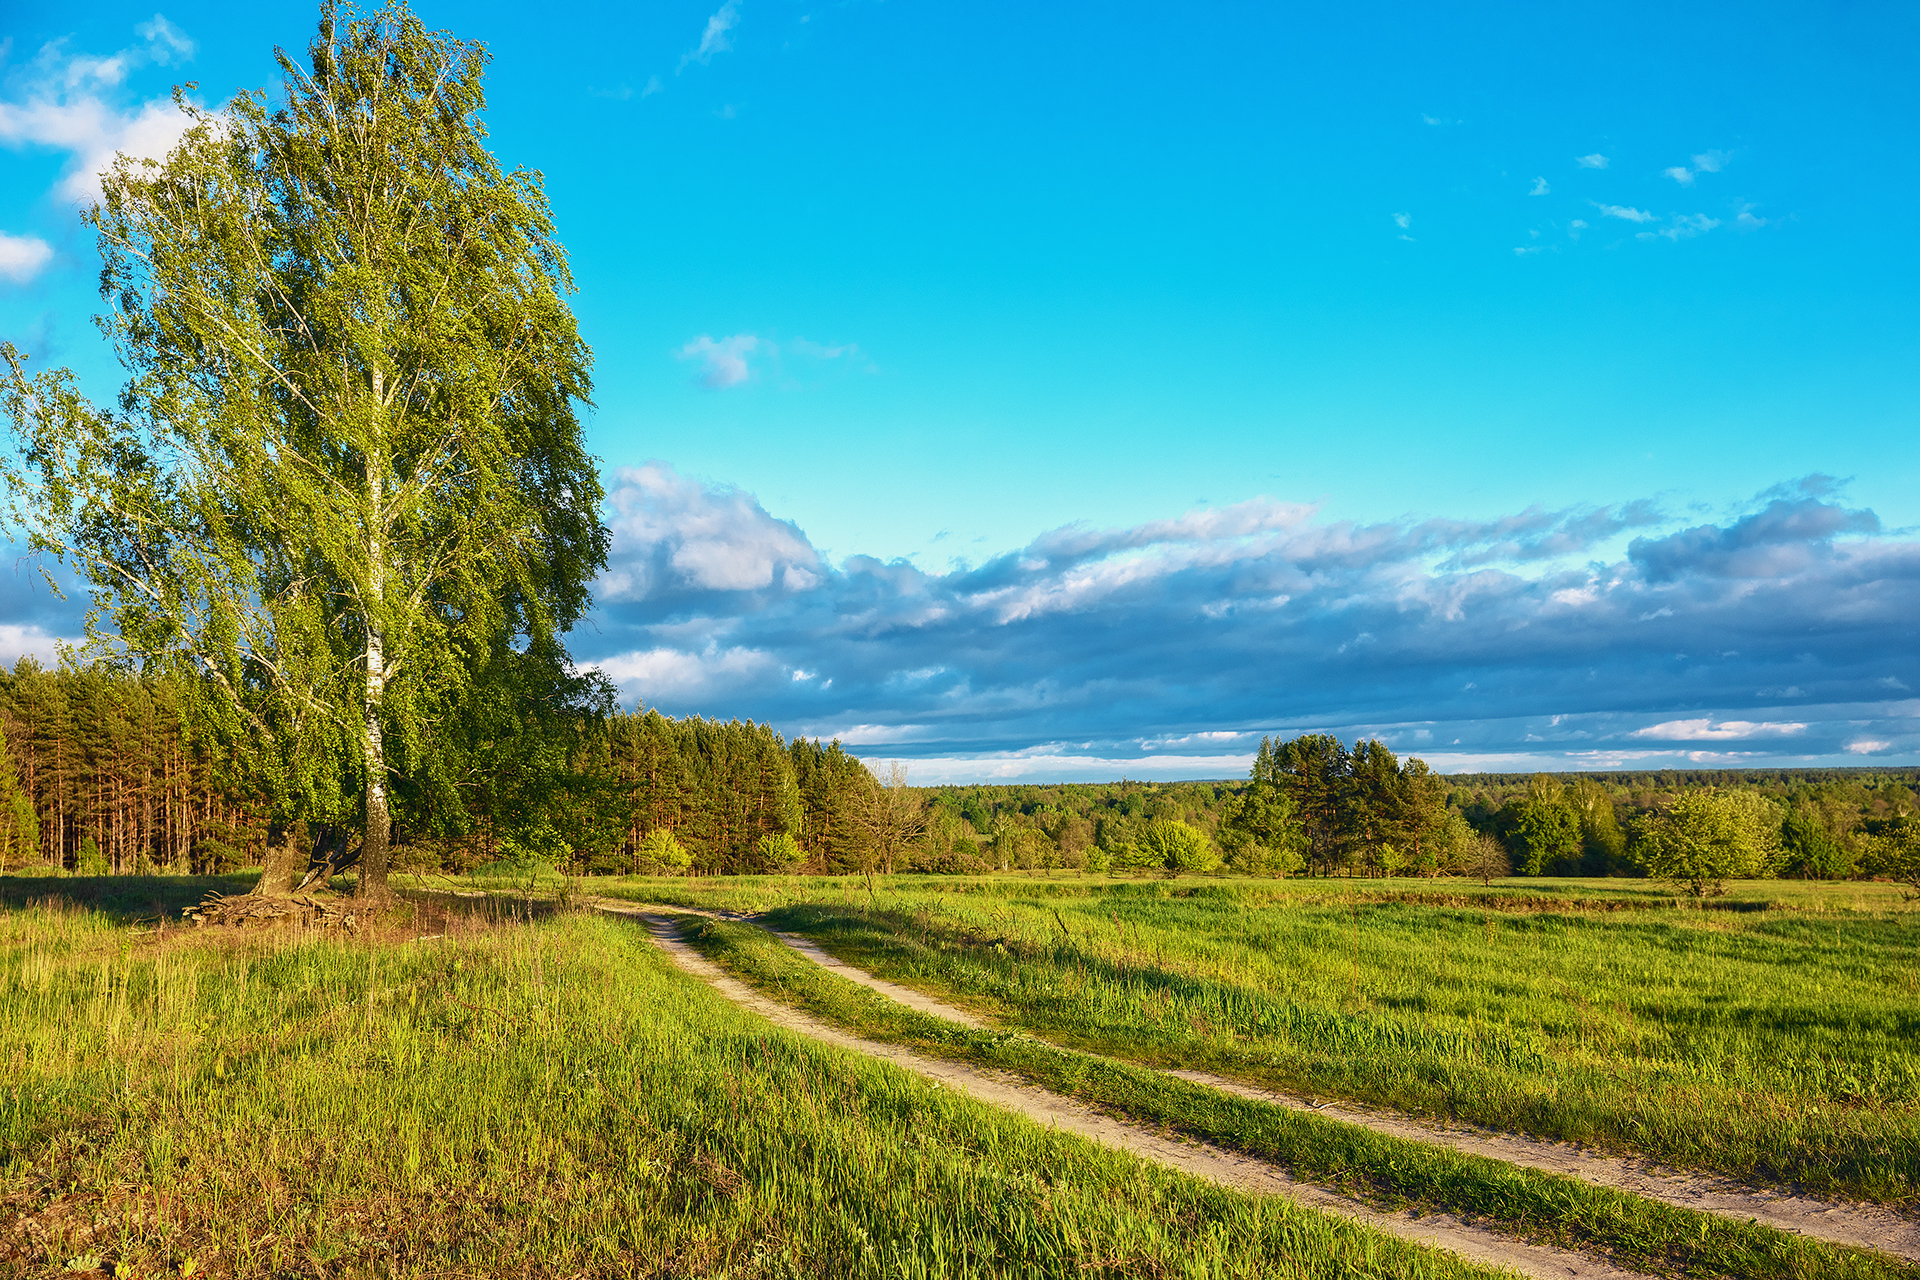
(1782, 634)
(1622, 636)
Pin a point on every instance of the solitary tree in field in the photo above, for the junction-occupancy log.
(1705, 838)
(345, 476)
(891, 818)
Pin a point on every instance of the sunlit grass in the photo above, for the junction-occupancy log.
(534, 1098)
(1776, 1044)
(1394, 1172)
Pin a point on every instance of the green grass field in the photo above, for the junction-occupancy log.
(1391, 1172)
(1775, 1037)
(532, 1096)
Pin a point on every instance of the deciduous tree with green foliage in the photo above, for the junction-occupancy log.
(346, 472)
(1545, 826)
(1706, 838)
(1895, 852)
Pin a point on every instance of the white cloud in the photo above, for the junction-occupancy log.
(1594, 161)
(1626, 212)
(674, 673)
(17, 640)
(1525, 249)
(673, 534)
(714, 39)
(1706, 730)
(1711, 161)
(1747, 222)
(1403, 220)
(165, 42)
(1867, 746)
(1680, 174)
(653, 86)
(1685, 227)
(70, 104)
(724, 361)
(1439, 121)
(21, 257)
(1540, 188)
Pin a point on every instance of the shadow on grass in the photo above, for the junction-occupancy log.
(125, 898)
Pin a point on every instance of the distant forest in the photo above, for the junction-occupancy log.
(107, 774)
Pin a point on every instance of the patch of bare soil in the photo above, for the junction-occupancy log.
(1244, 1173)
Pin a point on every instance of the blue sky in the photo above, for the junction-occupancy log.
(1077, 390)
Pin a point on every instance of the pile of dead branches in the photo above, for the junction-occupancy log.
(249, 910)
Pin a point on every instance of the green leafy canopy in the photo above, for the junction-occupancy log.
(345, 475)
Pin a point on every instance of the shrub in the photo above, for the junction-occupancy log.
(1178, 847)
(777, 853)
(660, 852)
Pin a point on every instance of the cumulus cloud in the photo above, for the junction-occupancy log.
(1540, 188)
(22, 257)
(1594, 161)
(714, 38)
(77, 103)
(1519, 638)
(676, 539)
(22, 640)
(1403, 220)
(1711, 161)
(723, 362)
(1680, 174)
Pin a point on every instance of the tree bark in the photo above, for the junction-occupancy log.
(372, 884)
(285, 863)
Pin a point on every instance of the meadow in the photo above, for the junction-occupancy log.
(1774, 1038)
(520, 1090)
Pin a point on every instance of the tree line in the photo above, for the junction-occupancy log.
(106, 773)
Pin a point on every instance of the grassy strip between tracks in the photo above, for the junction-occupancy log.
(1387, 1171)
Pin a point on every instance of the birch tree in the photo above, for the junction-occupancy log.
(345, 473)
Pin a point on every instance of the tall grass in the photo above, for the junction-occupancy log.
(536, 1098)
(1774, 1045)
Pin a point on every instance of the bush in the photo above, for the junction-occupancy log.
(659, 852)
(777, 853)
(1178, 847)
